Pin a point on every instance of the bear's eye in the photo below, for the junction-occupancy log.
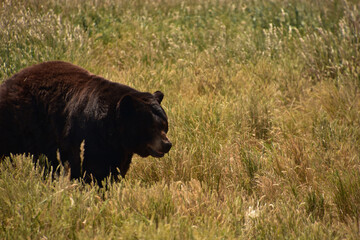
(164, 126)
(159, 123)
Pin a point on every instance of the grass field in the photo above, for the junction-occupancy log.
(263, 100)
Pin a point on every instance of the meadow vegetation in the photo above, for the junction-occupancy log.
(263, 100)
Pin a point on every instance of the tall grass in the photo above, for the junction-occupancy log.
(263, 105)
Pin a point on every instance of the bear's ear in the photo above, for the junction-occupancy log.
(125, 106)
(158, 96)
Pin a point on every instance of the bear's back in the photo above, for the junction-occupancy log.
(48, 72)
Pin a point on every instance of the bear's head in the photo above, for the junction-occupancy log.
(143, 123)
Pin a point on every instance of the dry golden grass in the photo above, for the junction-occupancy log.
(263, 105)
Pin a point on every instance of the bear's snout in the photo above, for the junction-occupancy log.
(159, 146)
(166, 145)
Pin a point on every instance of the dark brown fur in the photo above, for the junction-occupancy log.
(57, 105)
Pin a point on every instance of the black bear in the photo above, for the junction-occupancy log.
(55, 106)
